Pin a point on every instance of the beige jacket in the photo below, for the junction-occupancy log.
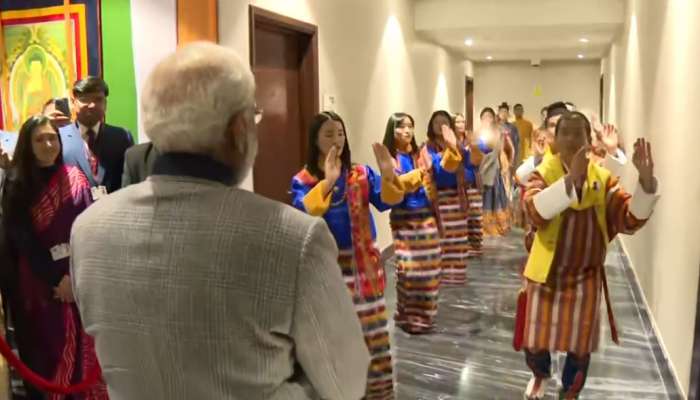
(195, 290)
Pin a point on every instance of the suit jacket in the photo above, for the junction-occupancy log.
(197, 290)
(110, 146)
(138, 163)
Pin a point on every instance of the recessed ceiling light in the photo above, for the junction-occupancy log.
(489, 58)
(584, 40)
(469, 42)
(580, 56)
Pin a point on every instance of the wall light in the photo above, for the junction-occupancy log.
(469, 42)
(584, 40)
(489, 58)
(580, 56)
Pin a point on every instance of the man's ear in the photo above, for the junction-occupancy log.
(236, 132)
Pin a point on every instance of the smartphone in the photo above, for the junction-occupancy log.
(62, 106)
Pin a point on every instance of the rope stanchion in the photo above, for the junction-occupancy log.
(92, 379)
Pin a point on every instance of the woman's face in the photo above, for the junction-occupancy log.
(403, 133)
(487, 119)
(331, 135)
(460, 124)
(45, 145)
(438, 123)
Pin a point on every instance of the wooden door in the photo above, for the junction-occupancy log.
(283, 55)
(469, 93)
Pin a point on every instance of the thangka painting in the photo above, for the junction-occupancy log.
(45, 45)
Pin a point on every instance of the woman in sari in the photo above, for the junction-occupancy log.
(332, 187)
(41, 199)
(498, 150)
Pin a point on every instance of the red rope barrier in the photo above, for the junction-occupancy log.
(93, 378)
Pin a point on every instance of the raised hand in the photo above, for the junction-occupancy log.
(58, 119)
(539, 146)
(5, 159)
(332, 166)
(448, 135)
(425, 162)
(644, 162)
(578, 170)
(384, 160)
(610, 138)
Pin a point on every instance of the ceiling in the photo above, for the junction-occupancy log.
(510, 30)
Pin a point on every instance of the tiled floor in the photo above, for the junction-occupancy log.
(471, 357)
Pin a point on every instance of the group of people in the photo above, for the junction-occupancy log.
(59, 168)
(184, 286)
(440, 195)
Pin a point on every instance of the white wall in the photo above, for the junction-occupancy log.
(653, 91)
(154, 36)
(373, 67)
(536, 87)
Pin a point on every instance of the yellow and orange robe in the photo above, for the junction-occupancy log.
(346, 211)
(449, 196)
(525, 129)
(565, 270)
(418, 252)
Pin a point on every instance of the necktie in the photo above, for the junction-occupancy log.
(92, 157)
(91, 140)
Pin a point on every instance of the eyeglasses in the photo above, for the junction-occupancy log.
(258, 115)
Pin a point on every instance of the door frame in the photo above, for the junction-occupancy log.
(602, 98)
(469, 111)
(309, 86)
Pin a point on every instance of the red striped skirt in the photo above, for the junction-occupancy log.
(475, 217)
(454, 238)
(373, 319)
(418, 255)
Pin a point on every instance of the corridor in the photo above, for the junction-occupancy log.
(471, 356)
(194, 194)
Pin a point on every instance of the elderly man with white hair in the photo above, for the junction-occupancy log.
(195, 289)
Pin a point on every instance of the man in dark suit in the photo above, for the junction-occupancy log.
(91, 144)
(138, 163)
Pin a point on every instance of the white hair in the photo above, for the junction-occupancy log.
(189, 98)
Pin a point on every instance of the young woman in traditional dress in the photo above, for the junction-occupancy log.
(442, 157)
(415, 232)
(332, 187)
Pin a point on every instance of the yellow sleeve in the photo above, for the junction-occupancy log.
(451, 160)
(392, 191)
(411, 181)
(314, 201)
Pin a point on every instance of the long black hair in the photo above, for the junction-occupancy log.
(389, 140)
(430, 133)
(23, 182)
(314, 153)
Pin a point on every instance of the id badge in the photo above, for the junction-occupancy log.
(98, 192)
(60, 251)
